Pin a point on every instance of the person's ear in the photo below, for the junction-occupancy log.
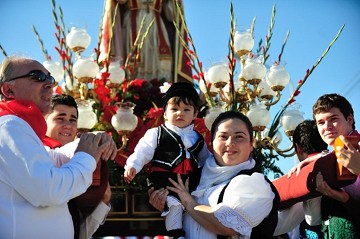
(298, 149)
(6, 90)
(350, 119)
(195, 114)
(300, 153)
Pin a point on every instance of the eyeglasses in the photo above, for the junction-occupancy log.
(37, 75)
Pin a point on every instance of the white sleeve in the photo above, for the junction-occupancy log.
(247, 200)
(312, 208)
(62, 155)
(144, 150)
(92, 222)
(289, 218)
(25, 165)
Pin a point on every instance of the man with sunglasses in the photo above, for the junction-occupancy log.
(33, 192)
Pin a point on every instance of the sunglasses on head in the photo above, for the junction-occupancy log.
(37, 75)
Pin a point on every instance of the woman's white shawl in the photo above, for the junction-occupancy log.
(247, 200)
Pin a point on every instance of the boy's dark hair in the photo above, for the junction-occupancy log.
(307, 136)
(185, 99)
(328, 101)
(64, 99)
(231, 115)
(182, 92)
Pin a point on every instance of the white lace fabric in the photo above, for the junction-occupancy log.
(232, 219)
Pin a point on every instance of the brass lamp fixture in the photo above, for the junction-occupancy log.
(85, 69)
(124, 121)
(256, 90)
(79, 79)
(78, 39)
(87, 118)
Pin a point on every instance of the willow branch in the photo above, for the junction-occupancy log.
(195, 63)
(100, 35)
(68, 53)
(231, 58)
(111, 37)
(38, 38)
(252, 28)
(135, 50)
(3, 51)
(291, 99)
(269, 35)
(283, 46)
(309, 72)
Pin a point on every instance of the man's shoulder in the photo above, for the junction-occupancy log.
(12, 120)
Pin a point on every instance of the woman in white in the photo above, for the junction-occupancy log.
(232, 199)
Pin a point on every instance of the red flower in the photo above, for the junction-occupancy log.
(63, 55)
(196, 77)
(200, 127)
(101, 91)
(58, 90)
(138, 83)
(296, 93)
(155, 113)
(125, 86)
(98, 83)
(292, 101)
(109, 111)
(105, 76)
(105, 101)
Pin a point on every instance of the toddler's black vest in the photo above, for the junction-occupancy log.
(170, 149)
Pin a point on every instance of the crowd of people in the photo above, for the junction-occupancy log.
(46, 171)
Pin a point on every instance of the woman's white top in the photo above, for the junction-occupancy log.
(247, 200)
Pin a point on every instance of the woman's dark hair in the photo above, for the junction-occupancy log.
(231, 115)
(328, 101)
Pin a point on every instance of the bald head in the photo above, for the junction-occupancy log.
(26, 79)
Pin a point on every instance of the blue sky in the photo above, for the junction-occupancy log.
(312, 25)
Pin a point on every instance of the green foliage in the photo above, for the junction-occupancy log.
(266, 162)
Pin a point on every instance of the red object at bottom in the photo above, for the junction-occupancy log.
(298, 188)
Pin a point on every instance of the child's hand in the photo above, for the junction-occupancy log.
(129, 174)
(107, 195)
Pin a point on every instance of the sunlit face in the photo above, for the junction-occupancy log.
(231, 143)
(332, 124)
(26, 88)
(180, 115)
(62, 124)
